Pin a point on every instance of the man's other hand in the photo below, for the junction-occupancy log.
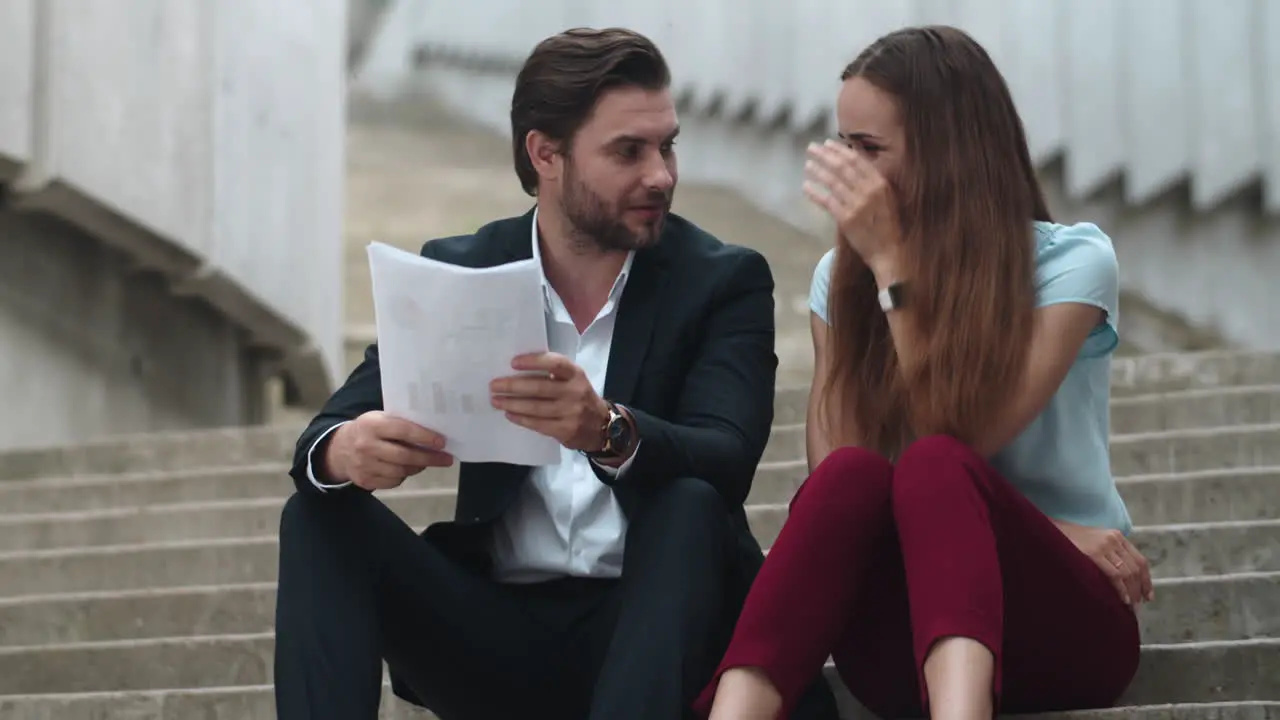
(377, 451)
(558, 401)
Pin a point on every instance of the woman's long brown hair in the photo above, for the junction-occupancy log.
(967, 196)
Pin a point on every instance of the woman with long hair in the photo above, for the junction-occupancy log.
(959, 546)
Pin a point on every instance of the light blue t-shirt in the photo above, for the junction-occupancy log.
(1061, 462)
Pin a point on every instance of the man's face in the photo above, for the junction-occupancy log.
(620, 172)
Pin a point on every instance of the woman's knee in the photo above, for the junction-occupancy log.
(848, 475)
(929, 468)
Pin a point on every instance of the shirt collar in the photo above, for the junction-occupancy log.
(547, 290)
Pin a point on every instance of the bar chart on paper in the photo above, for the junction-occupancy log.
(426, 395)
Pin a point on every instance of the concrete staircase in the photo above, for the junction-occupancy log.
(137, 575)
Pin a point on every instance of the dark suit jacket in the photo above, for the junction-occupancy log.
(692, 358)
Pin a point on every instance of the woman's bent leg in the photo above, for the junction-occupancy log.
(874, 655)
(983, 563)
(800, 602)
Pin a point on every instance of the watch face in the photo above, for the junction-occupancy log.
(618, 433)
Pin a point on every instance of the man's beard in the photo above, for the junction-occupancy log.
(597, 224)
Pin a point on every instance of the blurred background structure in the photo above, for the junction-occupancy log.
(170, 231)
(173, 173)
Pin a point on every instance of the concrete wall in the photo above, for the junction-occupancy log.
(1159, 119)
(203, 141)
(92, 345)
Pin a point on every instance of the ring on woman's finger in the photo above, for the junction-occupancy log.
(1118, 563)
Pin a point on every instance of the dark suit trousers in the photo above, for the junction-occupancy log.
(358, 586)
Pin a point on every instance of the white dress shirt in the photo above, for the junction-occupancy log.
(564, 521)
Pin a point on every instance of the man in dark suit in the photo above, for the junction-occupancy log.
(604, 586)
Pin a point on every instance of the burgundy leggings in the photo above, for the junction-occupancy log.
(877, 563)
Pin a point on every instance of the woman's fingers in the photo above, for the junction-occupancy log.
(1112, 562)
(1143, 571)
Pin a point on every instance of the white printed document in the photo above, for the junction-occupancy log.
(445, 332)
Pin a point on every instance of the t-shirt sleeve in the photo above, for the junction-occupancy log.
(821, 284)
(1078, 265)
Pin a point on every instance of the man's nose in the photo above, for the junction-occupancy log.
(658, 175)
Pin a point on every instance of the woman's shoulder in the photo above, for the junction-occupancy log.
(820, 285)
(1077, 263)
(1072, 245)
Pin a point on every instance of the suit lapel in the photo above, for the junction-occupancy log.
(515, 241)
(637, 311)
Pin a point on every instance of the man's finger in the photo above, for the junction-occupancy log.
(542, 426)
(528, 407)
(377, 474)
(527, 386)
(397, 453)
(405, 431)
(556, 364)
(435, 459)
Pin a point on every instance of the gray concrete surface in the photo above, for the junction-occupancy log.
(90, 345)
(154, 128)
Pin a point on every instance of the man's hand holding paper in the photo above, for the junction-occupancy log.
(560, 404)
(445, 332)
(377, 451)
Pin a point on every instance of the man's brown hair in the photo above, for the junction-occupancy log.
(563, 78)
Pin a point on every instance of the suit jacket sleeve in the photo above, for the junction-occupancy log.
(725, 411)
(361, 393)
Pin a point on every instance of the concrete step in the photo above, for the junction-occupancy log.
(1214, 495)
(1174, 551)
(1179, 451)
(218, 448)
(156, 451)
(1188, 409)
(1159, 500)
(1184, 673)
(131, 490)
(1188, 550)
(1176, 410)
(1161, 451)
(1226, 607)
(1171, 372)
(253, 702)
(184, 662)
(95, 502)
(257, 703)
(189, 521)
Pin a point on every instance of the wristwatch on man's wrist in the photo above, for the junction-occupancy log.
(618, 434)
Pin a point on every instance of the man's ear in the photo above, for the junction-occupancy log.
(545, 154)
